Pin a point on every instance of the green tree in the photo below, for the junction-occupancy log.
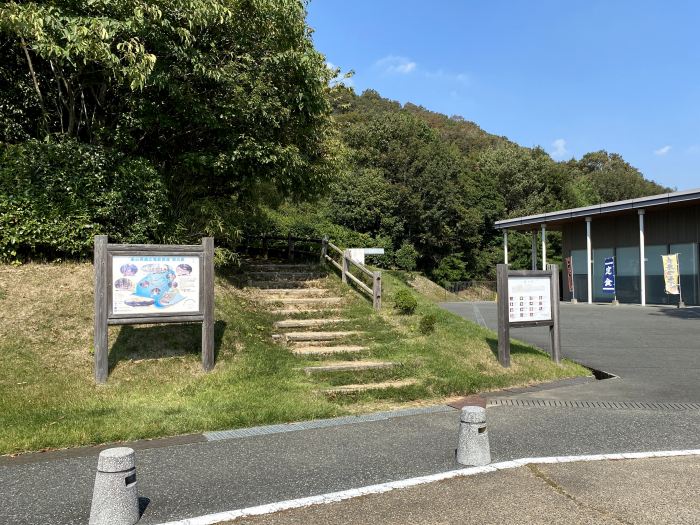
(362, 199)
(227, 100)
(528, 180)
(406, 257)
(606, 177)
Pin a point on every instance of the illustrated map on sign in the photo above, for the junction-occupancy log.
(155, 284)
(529, 299)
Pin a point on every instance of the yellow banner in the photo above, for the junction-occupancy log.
(671, 274)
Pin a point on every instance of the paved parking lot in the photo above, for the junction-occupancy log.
(654, 350)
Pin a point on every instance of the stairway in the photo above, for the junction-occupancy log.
(313, 326)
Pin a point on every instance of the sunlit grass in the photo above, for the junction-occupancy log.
(48, 398)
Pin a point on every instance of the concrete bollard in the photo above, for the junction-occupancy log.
(473, 447)
(114, 498)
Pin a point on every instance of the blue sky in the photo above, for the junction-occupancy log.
(572, 77)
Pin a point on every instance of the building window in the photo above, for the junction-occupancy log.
(628, 282)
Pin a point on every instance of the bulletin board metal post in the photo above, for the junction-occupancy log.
(107, 284)
(522, 303)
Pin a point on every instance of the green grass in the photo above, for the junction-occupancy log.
(458, 358)
(48, 398)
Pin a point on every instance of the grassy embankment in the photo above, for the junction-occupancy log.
(156, 388)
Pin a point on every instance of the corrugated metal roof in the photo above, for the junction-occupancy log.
(665, 199)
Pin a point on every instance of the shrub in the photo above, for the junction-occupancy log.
(451, 268)
(406, 257)
(427, 324)
(405, 302)
(55, 197)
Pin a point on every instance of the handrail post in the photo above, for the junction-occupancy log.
(377, 290)
(264, 247)
(346, 254)
(290, 247)
(324, 248)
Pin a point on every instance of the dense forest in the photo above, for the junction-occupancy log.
(435, 184)
(165, 121)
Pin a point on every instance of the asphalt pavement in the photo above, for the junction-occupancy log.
(655, 350)
(188, 480)
(642, 491)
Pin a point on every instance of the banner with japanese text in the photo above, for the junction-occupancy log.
(609, 275)
(671, 274)
(570, 273)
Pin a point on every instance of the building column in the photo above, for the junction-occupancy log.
(534, 250)
(642, 262)
(589, 260)
(505, 246)
(544, 247)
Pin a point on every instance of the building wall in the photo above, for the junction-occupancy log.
(671, 230)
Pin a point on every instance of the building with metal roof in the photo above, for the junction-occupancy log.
(636, 233)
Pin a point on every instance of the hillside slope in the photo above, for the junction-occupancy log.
(156, 387)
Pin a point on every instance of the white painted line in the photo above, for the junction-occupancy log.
(479, 317)
(332, 497)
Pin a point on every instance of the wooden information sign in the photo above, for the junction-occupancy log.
(527, 298)
(153, 283)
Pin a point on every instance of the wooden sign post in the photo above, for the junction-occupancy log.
(527, 298)
(153, 283)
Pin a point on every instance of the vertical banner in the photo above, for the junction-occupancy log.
(671, 274)
(609, 275)
(570, 273)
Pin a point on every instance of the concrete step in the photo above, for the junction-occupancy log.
(286, 276)
(302, 300)
(303, 309)
(282, 284)
(305, 323)
(276, 267)
(327, 350)
(293, 337)
(348, 366)
(294, 292)
(349, 389)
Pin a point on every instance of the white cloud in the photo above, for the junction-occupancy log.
(459, 78)
(662, 151)
(396, 65)
(463, 78)
(559, 149)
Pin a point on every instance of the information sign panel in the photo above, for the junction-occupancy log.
(529, 299)
(153, 283)
(163, 284)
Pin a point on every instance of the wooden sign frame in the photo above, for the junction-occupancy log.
(104, 315)
(503, 273)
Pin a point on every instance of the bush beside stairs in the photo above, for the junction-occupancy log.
(313, 325)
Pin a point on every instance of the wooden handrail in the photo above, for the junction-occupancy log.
(334, 247)
(361, 267)
(330, 260)
(375, 292)
(359, 283)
